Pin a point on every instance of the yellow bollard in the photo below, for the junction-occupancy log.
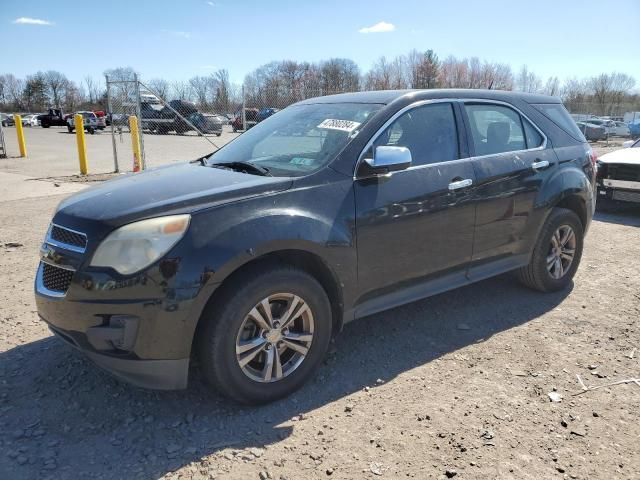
(21, 143)
(135, 142)
(82, 146)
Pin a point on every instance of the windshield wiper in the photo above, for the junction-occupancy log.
(245, 167)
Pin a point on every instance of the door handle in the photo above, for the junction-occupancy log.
(540, 164)
(467, 182)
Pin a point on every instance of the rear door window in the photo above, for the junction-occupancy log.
(559, 115)
(532, 135)
(495, 129)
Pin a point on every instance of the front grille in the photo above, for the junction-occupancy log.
(626, 196)
(56, 279)
(68, 237)
(623, 172)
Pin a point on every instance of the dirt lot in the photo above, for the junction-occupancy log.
(452, 386)
(53, 152)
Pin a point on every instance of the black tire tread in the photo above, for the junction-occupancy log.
(210, 337)
(530, 274)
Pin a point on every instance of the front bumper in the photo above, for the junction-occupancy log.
(152, 374)
(139, 327)
(616, 194)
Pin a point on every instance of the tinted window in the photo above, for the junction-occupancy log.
(559, 115)
(429, 132)
(533, 136)
(495, 129)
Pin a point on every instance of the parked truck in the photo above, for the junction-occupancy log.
(53, 118)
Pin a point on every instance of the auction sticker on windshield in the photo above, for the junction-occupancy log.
(344, 125)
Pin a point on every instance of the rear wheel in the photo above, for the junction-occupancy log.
(557, 253)
(265, 338)
(70, 128)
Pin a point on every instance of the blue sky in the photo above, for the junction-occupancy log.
(180, 39)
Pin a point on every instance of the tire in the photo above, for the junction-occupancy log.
(70, 128)
(538, 275)
(45, 125)
(229, 319)
(218, 134)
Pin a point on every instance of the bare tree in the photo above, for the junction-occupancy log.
(337, 75)
(160, 87)
(56, 84)
(222, 101)
(552, 87)
(528, 81)
(200, 88)
(93, 89)
(385, 74)
(608, 90)
(181, 90)
(12, 91)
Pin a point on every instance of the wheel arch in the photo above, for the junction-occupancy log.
(304, 260)
(577, 204)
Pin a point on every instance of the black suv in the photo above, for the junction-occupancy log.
(332, 209)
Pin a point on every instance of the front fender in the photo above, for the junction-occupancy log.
(317, 220)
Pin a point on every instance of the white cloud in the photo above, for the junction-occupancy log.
(179, 33)
(379, 27)
(211, 4)
(31, 21)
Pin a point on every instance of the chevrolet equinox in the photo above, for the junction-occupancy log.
(250, 259)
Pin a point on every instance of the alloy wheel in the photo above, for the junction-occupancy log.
(561, 252)
(275, 337)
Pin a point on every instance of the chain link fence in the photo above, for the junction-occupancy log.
(174, 130)
(169, 130)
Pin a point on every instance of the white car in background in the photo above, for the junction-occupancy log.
(618, 175)
(34, 122)
(601, 122)
(26, 120)
(620, 129)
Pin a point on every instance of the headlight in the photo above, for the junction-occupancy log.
(133, 247)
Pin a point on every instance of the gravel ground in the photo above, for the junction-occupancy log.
(453, 386)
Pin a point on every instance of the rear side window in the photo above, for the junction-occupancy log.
(559, 115)
(428, 131)
(495, 129)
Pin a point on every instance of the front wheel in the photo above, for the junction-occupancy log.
(265, 336)
(557, 253)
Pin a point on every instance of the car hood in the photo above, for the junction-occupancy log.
(629, 156)
(181, 188)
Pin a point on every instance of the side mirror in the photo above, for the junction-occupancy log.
(387, 159)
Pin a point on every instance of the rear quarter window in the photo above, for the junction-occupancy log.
(559, 115)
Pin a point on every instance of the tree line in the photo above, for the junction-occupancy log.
(280, 83)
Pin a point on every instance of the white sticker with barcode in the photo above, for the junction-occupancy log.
(344, 125)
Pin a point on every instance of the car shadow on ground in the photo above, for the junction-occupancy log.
(56, 403)
(618, 213)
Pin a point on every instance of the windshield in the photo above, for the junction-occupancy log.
(298, 140)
